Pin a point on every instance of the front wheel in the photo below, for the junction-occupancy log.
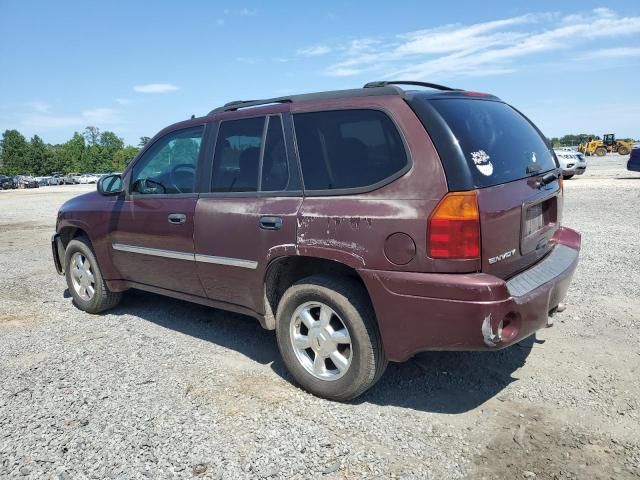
(328, 337)
(84, 279)
(623, 150)
(601, 151)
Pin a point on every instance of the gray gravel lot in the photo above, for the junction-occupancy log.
(160, 388)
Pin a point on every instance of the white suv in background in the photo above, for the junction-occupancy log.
(571, 162)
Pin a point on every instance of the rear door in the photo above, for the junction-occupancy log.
(249, 216)
(491, 147)
(151, 230)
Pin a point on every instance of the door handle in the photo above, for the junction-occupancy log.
(270, 223)
(177, 218)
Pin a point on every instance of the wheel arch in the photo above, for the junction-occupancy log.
(69, 232)
(96, 237)
(282, 272)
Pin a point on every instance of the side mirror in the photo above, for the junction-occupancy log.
(110, 185)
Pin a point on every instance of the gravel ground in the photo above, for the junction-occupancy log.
(160, 388)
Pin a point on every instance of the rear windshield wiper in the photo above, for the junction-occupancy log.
(533, 168)
(548, 178)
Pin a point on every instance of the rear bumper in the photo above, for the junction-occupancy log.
(577, 169)
(431, 311)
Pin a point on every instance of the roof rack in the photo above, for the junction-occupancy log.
(385, 88)
(237, 104)
(384, 83)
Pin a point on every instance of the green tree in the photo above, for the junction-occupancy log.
(122, 158)
(38, 157)
(68, 156)
(143, 141)
(91, 151)
(92, 135)
(575, 139)
(15, 151)
(109, 144)
(110, 141)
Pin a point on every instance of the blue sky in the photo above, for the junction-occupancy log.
(572, 66)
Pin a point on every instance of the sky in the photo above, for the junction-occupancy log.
(134, 67)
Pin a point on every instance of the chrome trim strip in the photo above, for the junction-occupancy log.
(233, 262)
(156, 252)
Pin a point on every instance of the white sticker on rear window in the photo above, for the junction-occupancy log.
(482, 162)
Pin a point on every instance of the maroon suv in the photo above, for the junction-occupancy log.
(362, 225)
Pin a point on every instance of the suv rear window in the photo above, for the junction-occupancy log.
(347, 149)
(498, 143)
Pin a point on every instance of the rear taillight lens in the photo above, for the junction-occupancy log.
(454, 227)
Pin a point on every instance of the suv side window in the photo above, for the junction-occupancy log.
(275, 168)
(242, 164)
(169, 166)
(346, 149)
(237, 155)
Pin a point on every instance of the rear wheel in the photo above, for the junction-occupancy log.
(601, 151)
(328, 337)
(623, 150)
(84, 279)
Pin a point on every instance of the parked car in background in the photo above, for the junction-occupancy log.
(571, 162)
(363, 226)
(56, 179)
(43, 181)
(71, 178)
(26, 181)
(633, 163)
(7, 183)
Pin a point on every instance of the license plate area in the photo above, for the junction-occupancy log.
(539, 223)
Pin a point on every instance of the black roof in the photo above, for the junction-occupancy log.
(368, 90)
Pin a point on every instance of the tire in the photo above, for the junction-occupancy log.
(567, 177)
(350, 309)
(601, 151)
(78, 252)
(623, 150)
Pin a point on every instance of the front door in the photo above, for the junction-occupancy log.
(250, 215)
(152, 228)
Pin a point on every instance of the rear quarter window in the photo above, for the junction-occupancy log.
(348, 149)
(498, 143)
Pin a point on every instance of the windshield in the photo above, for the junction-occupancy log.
(498, 143)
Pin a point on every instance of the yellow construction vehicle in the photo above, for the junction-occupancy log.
(608, 144)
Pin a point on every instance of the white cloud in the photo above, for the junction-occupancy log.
(123, 101)
(96, 116)
(487, 48)
(155, 88)
(314, 51)
(220, 22)
(248, 12)
(617, 52)
(100, 115)
(40, 106)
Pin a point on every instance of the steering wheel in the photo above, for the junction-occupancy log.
(176, 169)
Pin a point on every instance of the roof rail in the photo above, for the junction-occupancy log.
(384, 83)
(237, 104)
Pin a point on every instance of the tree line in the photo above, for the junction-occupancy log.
(576, 139)
(92, 151)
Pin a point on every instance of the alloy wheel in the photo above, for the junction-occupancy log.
(82, 277)
(321, 341)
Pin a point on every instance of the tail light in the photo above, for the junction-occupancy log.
(454, 227)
